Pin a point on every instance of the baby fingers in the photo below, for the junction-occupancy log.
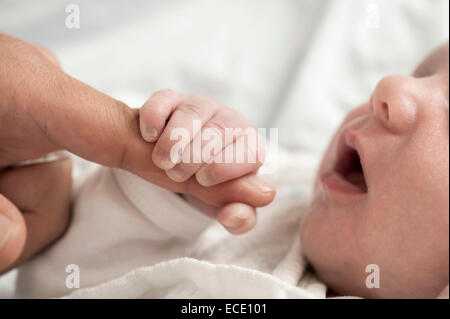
(155, 112)
(243, 156)
(226, 148)
(184, 124)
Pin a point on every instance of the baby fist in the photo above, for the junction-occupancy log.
(196, 135)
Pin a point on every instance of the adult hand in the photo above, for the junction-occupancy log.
(41, 210)
(42, 109)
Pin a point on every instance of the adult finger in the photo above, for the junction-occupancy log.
(42, 193)
(69, 114)
(12, 234)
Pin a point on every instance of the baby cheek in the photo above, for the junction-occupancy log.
(325, 229)
(425, 177)
(310, 234)
(407, 204)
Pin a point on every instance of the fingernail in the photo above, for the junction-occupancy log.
(204, 177)
(149, 134)
(164, 161)
(176, 174)
(5, 229)
(152, 133)
(235, 220)
(263, 186)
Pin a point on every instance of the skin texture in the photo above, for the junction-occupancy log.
(42, 109)
(402, 223)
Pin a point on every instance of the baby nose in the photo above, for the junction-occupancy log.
(395, 102)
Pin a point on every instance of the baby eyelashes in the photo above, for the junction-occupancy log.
(196, 135)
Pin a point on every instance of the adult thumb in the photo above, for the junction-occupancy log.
(12, 234)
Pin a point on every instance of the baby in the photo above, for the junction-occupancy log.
(379, 202)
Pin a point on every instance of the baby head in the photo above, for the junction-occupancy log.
(382, 191)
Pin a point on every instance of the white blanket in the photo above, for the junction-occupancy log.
(131, 239)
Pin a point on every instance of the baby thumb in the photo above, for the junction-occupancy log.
(12, 234)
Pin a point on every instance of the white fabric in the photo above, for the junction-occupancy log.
(132, 239)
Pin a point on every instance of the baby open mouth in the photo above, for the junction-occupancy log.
(350, 168)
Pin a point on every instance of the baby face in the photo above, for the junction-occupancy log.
(382, 192)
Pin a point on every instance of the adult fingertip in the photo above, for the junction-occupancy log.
(12, 240)
(262, 185)
(6, 227)
(261, 192)
(266, 198)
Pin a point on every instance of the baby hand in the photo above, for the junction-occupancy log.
(217, 143)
